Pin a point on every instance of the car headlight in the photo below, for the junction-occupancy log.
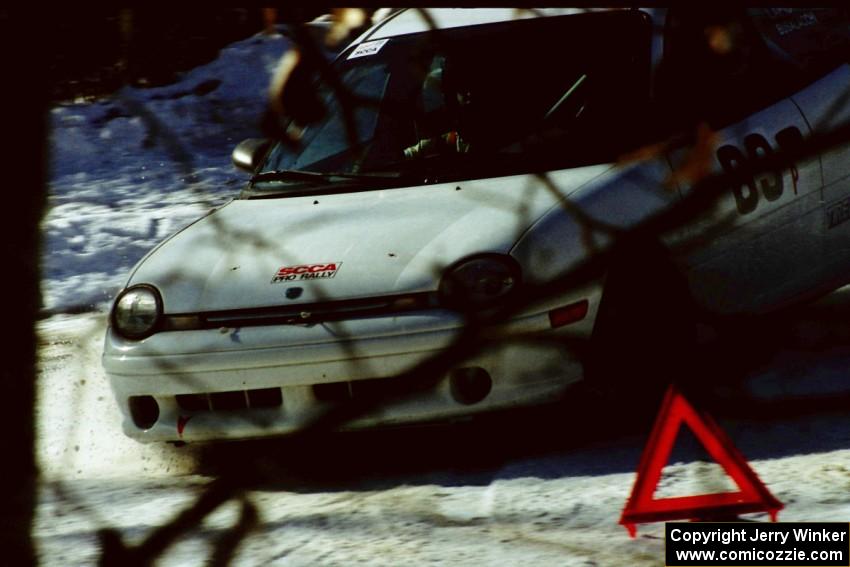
(137, 311)
(479, 281)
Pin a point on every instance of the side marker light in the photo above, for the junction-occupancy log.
(568, 314)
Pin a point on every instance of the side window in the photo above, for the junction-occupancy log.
(814, 39)
(552, 89)
(717, 68)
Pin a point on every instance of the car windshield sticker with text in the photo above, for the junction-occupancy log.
(369, 48)
(306, 272)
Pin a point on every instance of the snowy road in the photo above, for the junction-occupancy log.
(542, 489)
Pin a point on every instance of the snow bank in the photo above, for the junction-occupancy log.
(132, 168)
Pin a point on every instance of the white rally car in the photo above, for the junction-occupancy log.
(339, 267)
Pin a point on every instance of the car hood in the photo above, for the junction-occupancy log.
(254, 253)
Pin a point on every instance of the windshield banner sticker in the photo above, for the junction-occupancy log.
(368, 48)
(306, 272)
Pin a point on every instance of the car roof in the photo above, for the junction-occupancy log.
(408, 20)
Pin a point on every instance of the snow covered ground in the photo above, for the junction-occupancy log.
(545, 493)
(129, 170)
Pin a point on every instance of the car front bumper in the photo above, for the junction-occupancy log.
(197, 378)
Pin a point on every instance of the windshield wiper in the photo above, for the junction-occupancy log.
(321, 177)
(303, 182)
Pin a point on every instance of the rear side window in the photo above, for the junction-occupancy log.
(718, 67)
(815, 39)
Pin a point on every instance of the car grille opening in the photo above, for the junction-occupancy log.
(379, 388)
(231, 401)
(332, 391)
(371, 388)
(302, 313)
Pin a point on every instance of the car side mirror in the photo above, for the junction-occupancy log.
(249, 154)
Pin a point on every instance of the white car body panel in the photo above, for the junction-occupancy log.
(620, 197)
(820, 109)
(296, 358)
(756, 252)
(230, 257)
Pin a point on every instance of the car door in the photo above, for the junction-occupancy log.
(826, 106)
(818, 40)
(759, 245)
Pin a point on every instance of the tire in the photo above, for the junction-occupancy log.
(644, 335)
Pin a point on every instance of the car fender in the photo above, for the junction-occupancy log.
(583, 222)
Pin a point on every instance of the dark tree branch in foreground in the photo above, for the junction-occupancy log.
(23, 112)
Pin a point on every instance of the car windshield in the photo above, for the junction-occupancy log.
(541, 93)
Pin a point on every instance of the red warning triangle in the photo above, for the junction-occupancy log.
(753, 495)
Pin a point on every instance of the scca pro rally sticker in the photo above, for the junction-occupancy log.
(368, 48)
(306, 272)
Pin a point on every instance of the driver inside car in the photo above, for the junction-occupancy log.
(443, 98)
(466, 106)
